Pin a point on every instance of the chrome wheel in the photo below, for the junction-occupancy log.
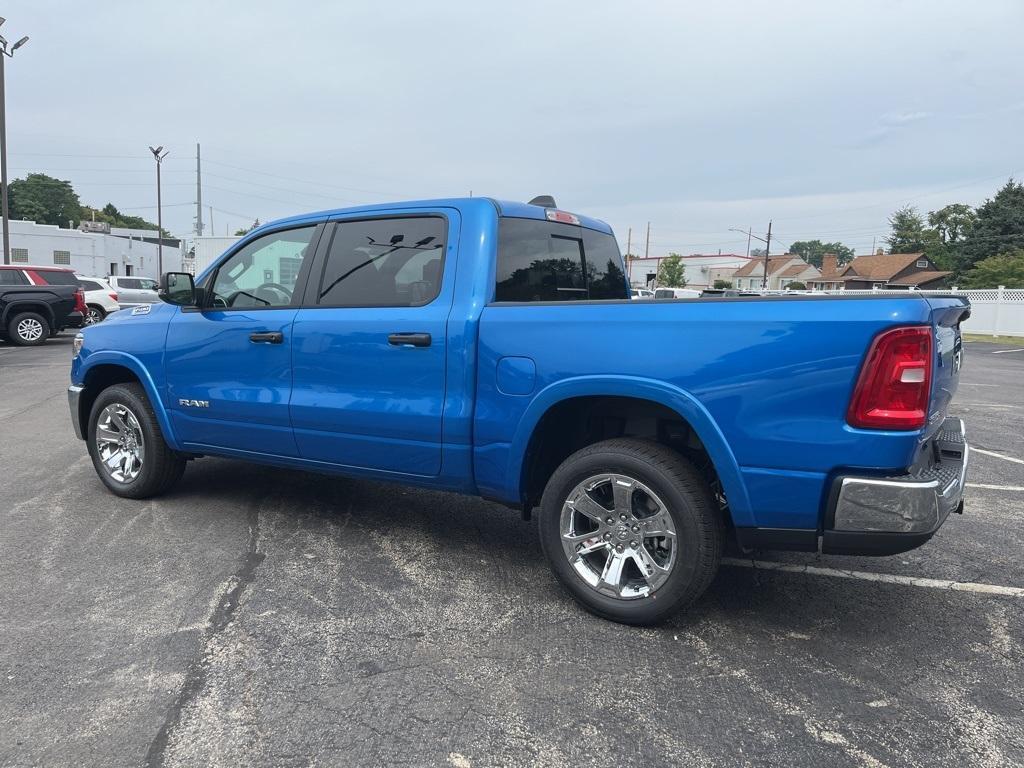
(30, 329)
(120, 443)
(618, 536)
(95, 315)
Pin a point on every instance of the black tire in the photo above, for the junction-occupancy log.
(161, 466)
(688, 501)
(96, 314)
(23, 326)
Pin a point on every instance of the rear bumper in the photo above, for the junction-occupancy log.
(888, 515)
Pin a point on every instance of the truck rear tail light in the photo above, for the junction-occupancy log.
(894, 385)
(80, 301)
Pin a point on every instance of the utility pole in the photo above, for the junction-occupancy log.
(4, 55)
(767, 248)
(748, 241)
(647, 244)
(212, 230)
(199, 195)
(629, 240)
(159, 211)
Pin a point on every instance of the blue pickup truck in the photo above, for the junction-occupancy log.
(490, 348)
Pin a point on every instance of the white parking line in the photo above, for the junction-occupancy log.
(1004, 351)
(887, 578)
(996, 487)
(1014, 459)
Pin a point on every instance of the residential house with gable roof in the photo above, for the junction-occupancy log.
(782, 271)
(880, 270)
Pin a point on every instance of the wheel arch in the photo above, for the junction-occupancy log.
(641, 399)
(27, 305)
(104, 369)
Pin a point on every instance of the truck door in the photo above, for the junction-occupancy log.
(229, 363)
(370, 342)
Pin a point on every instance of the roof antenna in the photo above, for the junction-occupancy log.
(545, 201)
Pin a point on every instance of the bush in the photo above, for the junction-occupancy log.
(722, 284)
(796, 286)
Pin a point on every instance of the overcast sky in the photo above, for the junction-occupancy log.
(694, 116)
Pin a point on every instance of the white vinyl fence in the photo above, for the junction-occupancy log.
(994, 311)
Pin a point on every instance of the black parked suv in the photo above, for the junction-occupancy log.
(32, 309)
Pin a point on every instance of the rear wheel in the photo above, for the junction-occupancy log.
(28, 329)
(630, 528)
(96, 314)
(127, 446)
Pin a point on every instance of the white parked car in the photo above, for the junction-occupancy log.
(100, 298)
(133, 291)
(641, 293)
(676, 293)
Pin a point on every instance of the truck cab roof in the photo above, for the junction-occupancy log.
(511, 209)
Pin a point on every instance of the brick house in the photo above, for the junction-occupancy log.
(782, 270)
(881, 270)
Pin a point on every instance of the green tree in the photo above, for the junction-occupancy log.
(246, 231)
(671, 273)
(999, 227)
(45, 200)
(1007, 269)
(796, 285)
(813, 251)
(908, 231)
(720, 283)
(952, 222)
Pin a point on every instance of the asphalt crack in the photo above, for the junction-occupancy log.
(220, 619)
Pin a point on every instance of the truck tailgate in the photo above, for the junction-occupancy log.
(947, 312)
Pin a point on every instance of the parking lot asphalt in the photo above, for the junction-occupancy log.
(258, 616)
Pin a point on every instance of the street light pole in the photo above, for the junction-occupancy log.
(4, 55)
(159, 212)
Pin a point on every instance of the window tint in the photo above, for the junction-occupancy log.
(90, 285)
(384, 263)
(263, 272)
(148, 285)
(547, 261)
(53, 277)
(12, 277)
(664, 293)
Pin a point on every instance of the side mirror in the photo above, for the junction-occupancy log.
(178, 288)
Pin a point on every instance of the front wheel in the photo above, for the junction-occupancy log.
(630, 528)
(127, 447)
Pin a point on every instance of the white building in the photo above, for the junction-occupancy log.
(701, 270)
(206, 249)
(122, 252)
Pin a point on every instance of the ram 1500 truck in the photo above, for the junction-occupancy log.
(491, 348)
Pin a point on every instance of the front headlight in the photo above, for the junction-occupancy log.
(76, 345)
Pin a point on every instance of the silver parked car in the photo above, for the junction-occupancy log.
(133, 291)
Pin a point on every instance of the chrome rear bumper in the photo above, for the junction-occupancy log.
(886, 515)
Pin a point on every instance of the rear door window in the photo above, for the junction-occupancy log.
(54, 277)
(388, 262)
(549, 261)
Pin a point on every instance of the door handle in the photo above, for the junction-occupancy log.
(266, 337)
(409, 339)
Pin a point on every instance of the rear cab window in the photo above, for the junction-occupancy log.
(550, 261)
(57, 277)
